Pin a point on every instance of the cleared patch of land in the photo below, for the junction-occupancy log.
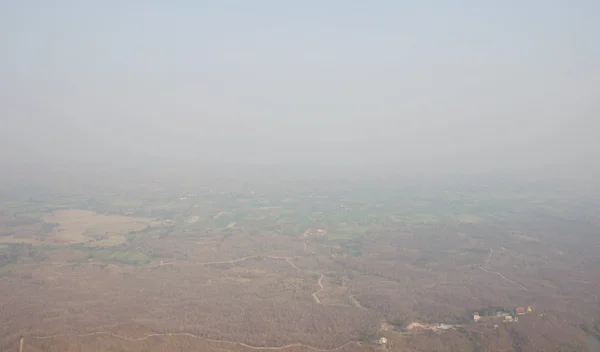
(231, 224)
(467, 219)
(76, 226)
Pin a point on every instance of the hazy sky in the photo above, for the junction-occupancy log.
(476, 84)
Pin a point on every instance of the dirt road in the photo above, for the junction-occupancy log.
(320, 289)
(504, 277)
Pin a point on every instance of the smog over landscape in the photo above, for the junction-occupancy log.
(299, 176)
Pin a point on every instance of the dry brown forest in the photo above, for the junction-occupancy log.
(157, 266)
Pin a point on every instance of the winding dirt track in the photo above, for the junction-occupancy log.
(320, 289)
(199, 338)
(504, 277)
(230, 261)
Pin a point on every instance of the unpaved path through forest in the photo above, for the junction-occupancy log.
(504, 277)
(230, 261)
(320, 289)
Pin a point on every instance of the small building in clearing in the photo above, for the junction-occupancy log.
(520, 311)
(476, 316)
(318, 229)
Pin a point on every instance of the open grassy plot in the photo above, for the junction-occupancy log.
(340, 236)
(82, 226)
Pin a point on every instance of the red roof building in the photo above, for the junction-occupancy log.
(520, 311)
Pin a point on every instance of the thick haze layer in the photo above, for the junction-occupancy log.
(474, 85)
